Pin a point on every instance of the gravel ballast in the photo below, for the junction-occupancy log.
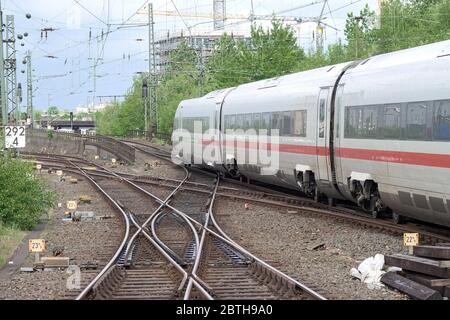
(315, 250)
(83, 242)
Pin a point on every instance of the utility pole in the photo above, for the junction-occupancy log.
(320, 30)
(30, 113)
(220, 14)
(2, 74)
(152, 73)
(11, 67)
(145, 98)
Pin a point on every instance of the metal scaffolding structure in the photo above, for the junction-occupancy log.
(2, 76)
(30, 113)
(219, 14)
(13, 106)
(153, 79)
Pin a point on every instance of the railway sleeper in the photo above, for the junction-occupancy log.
(104, 288)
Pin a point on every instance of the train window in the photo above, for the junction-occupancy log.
(392, 124)
(226, 122)
(207, 124)
(368, 128)
(353, 116)
(322, 118)
(287, 129)
(231, 122)
(239, 121)
(276, 121)
(256, 121)
(247, 121)
(299, 123)
(361, 122)
(416, 121)
(265, 122)
(441, 120)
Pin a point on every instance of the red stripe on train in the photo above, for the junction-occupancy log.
(410, 158)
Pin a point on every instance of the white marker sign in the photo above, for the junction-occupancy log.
(14, 137)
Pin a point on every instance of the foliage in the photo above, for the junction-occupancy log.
(270, 53)
(120, 118)
(182, 80)
(53, 111)
(37, 115)
(23, 197)
(83, 115)
(10, 238)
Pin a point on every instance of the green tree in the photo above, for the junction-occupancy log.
(358, 31)
(23, 197)
(183, 80)
(53, 111)
(37, 115)
(270, 53)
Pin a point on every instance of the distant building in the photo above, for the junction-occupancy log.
(91, 108)
(203, 43)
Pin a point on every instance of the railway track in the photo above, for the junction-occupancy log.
(263, 196)
(256, 194)
(157, 246)
(195, 259)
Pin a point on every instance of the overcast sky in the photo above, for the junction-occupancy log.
(66, 80)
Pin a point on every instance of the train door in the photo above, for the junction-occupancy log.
(322, 144)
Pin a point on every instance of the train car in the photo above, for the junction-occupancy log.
(376, 132)
(393, 143)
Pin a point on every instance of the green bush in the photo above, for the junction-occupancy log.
(23, 197)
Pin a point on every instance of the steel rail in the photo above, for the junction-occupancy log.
(155, 212)
(122, 245)
(161, 243)
(204, 229)
(247, 253)
(340, 213)
(202, 242)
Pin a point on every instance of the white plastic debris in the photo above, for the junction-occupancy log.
(371, 270)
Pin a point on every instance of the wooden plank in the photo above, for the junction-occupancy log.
(55, 262)
(440, 282)
(437, 252)
(444, 263)
(423, 279)
(411, 288)
(417, 264)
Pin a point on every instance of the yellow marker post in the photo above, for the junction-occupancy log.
(411, 240)
(72, 205)
(36, 246)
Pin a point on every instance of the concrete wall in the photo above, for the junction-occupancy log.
(39, 142)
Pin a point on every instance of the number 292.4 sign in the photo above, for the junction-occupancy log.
(14, 137)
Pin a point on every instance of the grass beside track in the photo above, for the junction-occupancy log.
(10, 239)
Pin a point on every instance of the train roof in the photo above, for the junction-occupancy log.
(405, 57)
(326, 76)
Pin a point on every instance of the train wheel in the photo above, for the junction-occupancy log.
(375, 214)
(398, 219)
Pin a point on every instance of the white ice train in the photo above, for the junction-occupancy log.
(375, 132)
